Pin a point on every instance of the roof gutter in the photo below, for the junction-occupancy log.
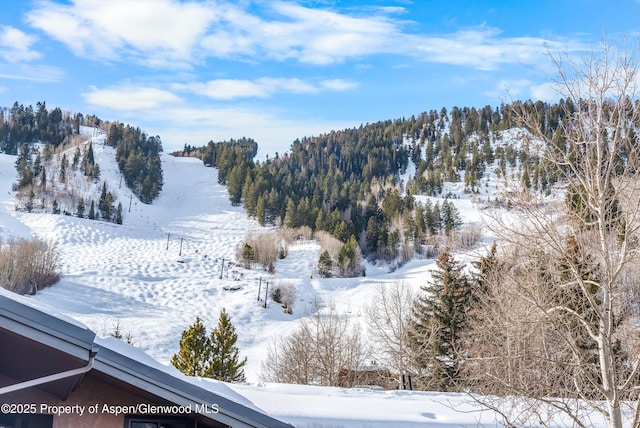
(52, 377)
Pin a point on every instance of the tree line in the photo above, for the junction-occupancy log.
(46, 171)
(138, 157)
(347, 182)
(543, 325)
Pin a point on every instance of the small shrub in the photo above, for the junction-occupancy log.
(469, 236)
(284, 294)
(27, 266)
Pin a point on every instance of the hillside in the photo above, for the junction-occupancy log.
(155, 273)
(124, 274)
(175, 260)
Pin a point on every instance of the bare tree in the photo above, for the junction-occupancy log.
(553, 324)
(28, 265)
(316, 351)
(388, 317)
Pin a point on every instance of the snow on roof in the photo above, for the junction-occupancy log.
(324, 407)
(124, 349)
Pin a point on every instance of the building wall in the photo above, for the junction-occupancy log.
(91, 394)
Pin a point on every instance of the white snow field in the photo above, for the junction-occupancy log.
(159, 270)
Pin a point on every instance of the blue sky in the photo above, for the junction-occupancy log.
(192, 71)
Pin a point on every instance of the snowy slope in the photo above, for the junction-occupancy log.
(159, 270)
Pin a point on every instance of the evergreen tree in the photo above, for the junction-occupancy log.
(32, 196)
(325, 264)
(260, 211)
(439, 316)
(193, 358)
(63, 169)
(43, 179)
(290, 217)
(119, 213)
(225, 363)
(450, 217)
(349, 258)
(248, 255)
(80, 208)
(105, 205)
(92, 211)
(487, 270)
(76, 158)
(37, 165)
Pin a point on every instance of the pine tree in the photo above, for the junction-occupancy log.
(260, 211)
(119, 213)
(76, 158)
(450, 217)
(92, 211)
(88, 161)
(349, 257)
(62, 176)
(43, 179)
(80, 208)
(248, 255)
(488, 269)
(225, 361)
(325, 264)
(440, 315)
(106, 202)
(193, 358)
(290, 216)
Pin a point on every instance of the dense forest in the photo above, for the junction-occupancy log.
(348, 183)
(44, 169)
(21, 124)
(138, 157)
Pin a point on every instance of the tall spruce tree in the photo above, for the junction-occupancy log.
(92, 211)
(488, 269)
(439, 317)
(225, 363)
(80, 208)
(193, 358)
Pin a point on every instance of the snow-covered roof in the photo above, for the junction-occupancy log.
(122, 362)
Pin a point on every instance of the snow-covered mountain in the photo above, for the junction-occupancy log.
(155, 273)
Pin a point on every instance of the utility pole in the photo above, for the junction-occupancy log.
(266, 293)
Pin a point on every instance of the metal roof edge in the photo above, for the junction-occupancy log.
(37, 325)
(33, 323)
(180, 391)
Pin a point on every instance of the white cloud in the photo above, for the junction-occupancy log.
(15, 45)
(484, 49)
(130, 98)
(274, 131)
(228, 89)
(158, 32)
(514, 87)
(323, 36)
(339, 85)
(171, 33)
(545, 92)
(316, 36)
(34, 73)
(178, 122)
